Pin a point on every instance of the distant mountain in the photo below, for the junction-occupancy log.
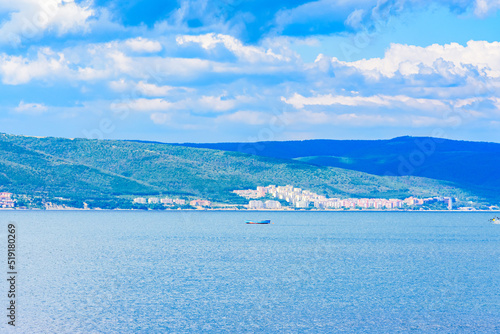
(81, 169)
(471, 165)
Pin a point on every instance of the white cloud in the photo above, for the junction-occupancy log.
(117, 60)
(152, 89)
(217, 103)
(250, 54)
(299, 101)
(485, 7)
(90, 74)
(143, 88)
(120, 86)
(121, 62)
(355, 18)
(143, 105)
(31, 108)
(32, 18)
(174, 68)
(446, 60)
(140, 44)
(160, 118)
(17, 70)
(203, 104)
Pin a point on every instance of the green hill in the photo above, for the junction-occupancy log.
(469, 165)
(83, 170)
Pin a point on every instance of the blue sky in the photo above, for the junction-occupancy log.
(233, 70)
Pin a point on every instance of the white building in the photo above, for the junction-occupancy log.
(166, 201)
(255, 205)
(302, 204)
(153, 200)
(272, 204)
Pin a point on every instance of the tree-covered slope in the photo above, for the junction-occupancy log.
(470, 165)
(76, 168)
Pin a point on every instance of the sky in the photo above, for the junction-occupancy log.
(234, 70)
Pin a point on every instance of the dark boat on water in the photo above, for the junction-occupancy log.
(258, 221)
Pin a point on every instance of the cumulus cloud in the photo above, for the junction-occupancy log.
(250, 54)
(160, 118)
(405, 80)
(101, 62)
(140, 44)
(485, 7)
(123, 59)
(447, 60)
(217, 103)
(217, 78)
(32, 18)
(143, 88)
(201, 105)
(355, 18)
(31, 108)
(16, 70)
(299, 101)
(152, 89)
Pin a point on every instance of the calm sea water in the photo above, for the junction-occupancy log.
(208, 272)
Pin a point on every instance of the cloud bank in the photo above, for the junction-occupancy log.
(184, 75)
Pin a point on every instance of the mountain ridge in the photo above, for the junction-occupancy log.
(469, 164)
(82, 168)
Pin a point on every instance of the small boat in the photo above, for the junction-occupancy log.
(258, 221)
(495, 220)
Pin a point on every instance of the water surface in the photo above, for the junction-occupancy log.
(308, 272)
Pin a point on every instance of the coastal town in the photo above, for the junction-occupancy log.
(302, 199)
(291, 198)
(270, 197)
(6, 200)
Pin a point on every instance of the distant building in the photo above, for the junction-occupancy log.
(255, 205)
(153, 200)
(261, 191)
(272, 204)
(140, 200)
(249, 193)
(301, 198)
(6, 200)
(409, 201)
(449, 202)
(167, 201)
(200, 202)
(180, 201)
(302, 204)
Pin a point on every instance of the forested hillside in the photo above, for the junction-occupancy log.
(470, 165)
(82, 169)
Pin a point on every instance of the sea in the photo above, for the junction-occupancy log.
(209, 272)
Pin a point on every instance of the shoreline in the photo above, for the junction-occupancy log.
(241, 210)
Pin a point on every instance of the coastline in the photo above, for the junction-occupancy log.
(242, 210)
